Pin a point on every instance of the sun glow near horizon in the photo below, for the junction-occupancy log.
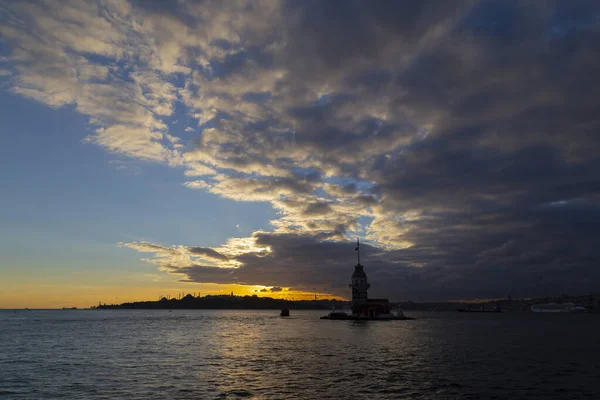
(56, 296)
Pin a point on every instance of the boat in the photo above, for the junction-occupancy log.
(558, 308)
(496, 309)
(335, 315)
(284, 312)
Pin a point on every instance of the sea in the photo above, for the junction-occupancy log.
(256, 354)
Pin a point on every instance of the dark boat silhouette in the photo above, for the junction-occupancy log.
(336, 315)
(284, 312)
(496, 309)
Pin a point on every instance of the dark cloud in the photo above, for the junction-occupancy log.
(207, 252)
(339, 33)
(453, 261)
(487, 162)
(315, 209)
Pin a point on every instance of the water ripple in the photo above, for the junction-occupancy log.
(191, 354)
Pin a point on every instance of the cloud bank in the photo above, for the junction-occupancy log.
(459, 140)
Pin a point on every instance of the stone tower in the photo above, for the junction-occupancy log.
(359, 284)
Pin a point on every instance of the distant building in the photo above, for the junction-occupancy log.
(362, 306)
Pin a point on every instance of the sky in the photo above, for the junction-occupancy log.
(152, 148)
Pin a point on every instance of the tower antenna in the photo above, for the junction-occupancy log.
(358, 250)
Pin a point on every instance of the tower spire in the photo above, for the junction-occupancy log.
(358, 250)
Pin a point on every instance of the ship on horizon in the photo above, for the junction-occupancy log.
(558, 308)
(481, 308)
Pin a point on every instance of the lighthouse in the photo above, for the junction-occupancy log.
(359, 284)
(362, 306)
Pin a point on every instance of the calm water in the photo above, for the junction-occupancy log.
(201, 354)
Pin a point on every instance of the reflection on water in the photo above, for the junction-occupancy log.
(256, 354)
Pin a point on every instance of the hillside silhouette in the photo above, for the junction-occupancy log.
(220, 302)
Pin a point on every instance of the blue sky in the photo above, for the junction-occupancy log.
(205, 146)
(68, 203)
(66, 188)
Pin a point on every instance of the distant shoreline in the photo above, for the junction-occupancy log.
(228, 302)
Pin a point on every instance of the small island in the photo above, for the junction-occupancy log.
(364, 308)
